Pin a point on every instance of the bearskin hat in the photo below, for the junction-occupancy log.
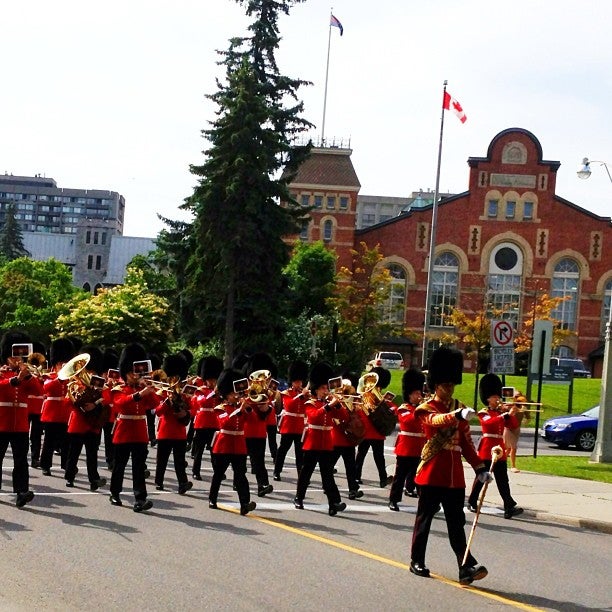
(226, 380)
(156, 360)
(176, 366)
(384, 377)
(490, 384)
(320, 373)
(260, 361)
(61, 351)
(131, 353)
(188, 355)
(445, 366)
(412, 380)
(96, 358)
(39, 347)
(239, 361)
(352, 376)
(8, 339)
(110, 359)
(210, 367)
(298, 370)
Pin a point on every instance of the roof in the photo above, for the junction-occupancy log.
(331, 167)
(43, 246)
(122, 250)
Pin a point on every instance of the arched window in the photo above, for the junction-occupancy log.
(607, 301)
(328, 230)
(97, 288)
(565, 285)
(444, 283)
(504, 282)
(396, 305)
(87, 287)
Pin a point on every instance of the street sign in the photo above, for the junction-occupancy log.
(559, 375)
(502, 360)
(541, 346)
(501, 334)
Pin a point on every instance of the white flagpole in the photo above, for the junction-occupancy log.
(326, 77)
(432, 238)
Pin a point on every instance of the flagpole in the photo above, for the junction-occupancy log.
(432, 238)
(326, 77)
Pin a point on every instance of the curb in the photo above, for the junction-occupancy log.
(590, 524)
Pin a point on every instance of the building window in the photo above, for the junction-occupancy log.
(89, 262)
(368, 216)
(328, 230)
(395, 308)
(444, 283)
(305, 199)
(88, 237)
(331, 202)
(492, 208)
(318, 201)
(510, 210)
(565, 285)
(304, 233)
(344, 202)
(606, 307)
(103, 238)
(98, 262)
(96, 235)
(528, 210)
(87, 288)
(504, 283)
(386, 212)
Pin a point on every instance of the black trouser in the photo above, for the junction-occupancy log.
(151, 427)
(378, 452)
(348, 456)
(55, 437)
(201, 439)
(76, 441)
(19, 447)
(178, 448)
(35, 438)
(451, 500)
(500, 471)
(405, 470)
(256, 448)
(285, 444)
(138, 451)
(271, 432)
(325, 459)
(220, 465)
(109, 446)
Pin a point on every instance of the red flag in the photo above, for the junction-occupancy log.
(451, 104)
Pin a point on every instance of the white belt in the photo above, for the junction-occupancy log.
(55, 399)
(229, 432)
(412, 433)
(206, 409)
(131, 417)
(321, 427)
(19, 404)
(36, 396)
(293, 414)
(492, 436)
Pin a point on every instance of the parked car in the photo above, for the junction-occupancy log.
(580, 370)
(386, 359)
(577, 429)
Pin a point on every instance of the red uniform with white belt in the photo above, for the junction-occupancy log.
(204, 424)
(54, 415)
(291, 423)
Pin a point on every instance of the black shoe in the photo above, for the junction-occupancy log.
(212, 505)
(418, 569)
(472, 508)
(141, 506)
(277, 477)
(355, 494)
(265, 490)
(46, 472)
(386, 481)
(24, 498)
(159, 487)
(70, 483)
(335, 508)
(298, 503)
(147, 473)
(412, 494)
(197, 477)
(393, 506)
(36, 464)
(359, 481)
(115, 500)
(467, 575)
(94, 485)
(244, 510)
(513, 512)
(186, 486)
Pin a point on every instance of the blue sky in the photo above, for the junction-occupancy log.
(112, 95)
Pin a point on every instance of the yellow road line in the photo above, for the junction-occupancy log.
(364, 553)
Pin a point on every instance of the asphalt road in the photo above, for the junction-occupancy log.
(71, 550)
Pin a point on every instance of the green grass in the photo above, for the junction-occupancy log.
(569, 467)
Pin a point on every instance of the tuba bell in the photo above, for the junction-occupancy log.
(259, 384)
(371, 396)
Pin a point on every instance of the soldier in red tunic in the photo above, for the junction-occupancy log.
(493, 422)
(229, 445)
(410, 439)
(440, 474)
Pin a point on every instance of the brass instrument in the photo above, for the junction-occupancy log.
(367, 388)
(35, 364)
(74, 371)
(259, 385)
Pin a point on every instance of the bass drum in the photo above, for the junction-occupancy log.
(384, 419)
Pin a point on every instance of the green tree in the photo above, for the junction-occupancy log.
(125, 313)
(158, 282)
(234, 279)
(34, 294)
(310, 278)
(11, 239)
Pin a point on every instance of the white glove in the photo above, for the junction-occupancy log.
(465, 414)
(485, 477)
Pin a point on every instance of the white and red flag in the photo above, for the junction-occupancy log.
(451, 104)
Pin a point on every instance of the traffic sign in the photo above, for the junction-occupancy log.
(502, 360)
(501, 334)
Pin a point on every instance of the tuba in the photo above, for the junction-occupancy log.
(371, 396)
(259, 383)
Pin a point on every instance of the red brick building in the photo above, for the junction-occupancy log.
(501, 241)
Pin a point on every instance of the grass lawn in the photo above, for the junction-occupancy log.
(570, 467)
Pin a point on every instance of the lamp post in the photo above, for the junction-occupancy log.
(602, 453)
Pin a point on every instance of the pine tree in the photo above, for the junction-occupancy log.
(235, 270)
(11, 239)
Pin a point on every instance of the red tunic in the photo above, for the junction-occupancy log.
(35, 400)
(56, 406)
(131, 418)
(203, 409)
(340, 419)
(14, 404)
(78, 423)
(293, 415)
(318, 432)
(168, 426)
(230, 437)
(493, 423)
(371, 433)
(410, 439)
(445, 469)
(254, 425)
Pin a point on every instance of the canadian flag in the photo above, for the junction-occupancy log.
(451, 104)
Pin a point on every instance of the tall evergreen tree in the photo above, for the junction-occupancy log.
(11, 239)
(234, 271)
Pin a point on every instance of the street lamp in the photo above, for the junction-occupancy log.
(602, 453)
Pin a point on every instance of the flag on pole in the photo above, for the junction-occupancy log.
(334, 21)
(451, 104)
